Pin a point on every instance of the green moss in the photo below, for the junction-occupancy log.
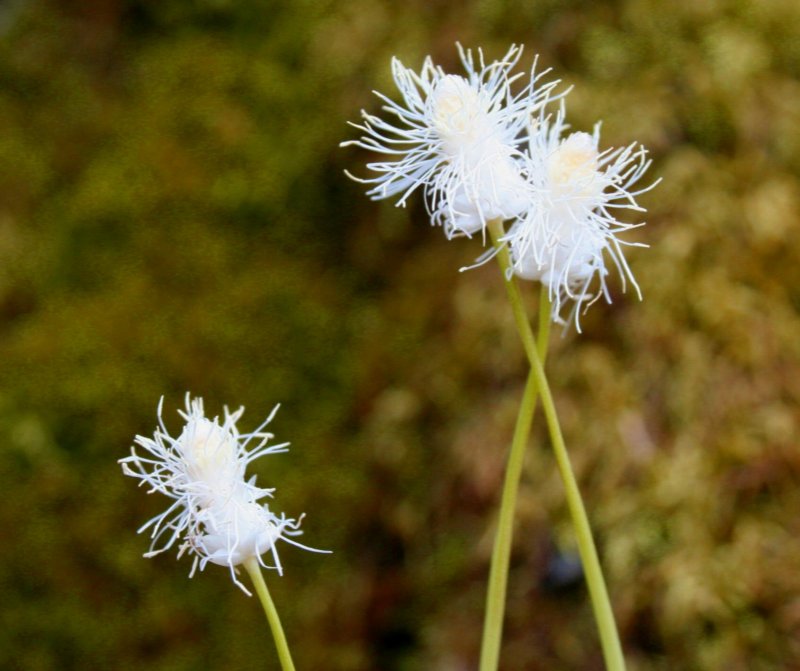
(174, 217)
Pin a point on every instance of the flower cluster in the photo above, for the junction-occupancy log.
(216, 513)
(483, 153)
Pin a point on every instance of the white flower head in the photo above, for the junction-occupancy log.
(216, 514)
(455, 136)
(570, 226)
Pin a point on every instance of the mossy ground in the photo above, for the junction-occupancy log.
(173, 217)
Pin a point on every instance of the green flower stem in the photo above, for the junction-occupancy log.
(604, 616)
(501, 552)
(545, 320)
(254, 570)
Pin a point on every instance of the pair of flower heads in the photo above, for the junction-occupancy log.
(481, 153)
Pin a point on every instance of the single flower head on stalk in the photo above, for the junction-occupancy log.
(571, 226)
(216, 513)
(456, 137)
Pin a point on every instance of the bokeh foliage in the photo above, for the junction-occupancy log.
(173, 217)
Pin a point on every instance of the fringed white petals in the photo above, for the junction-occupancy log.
(565, 236)
(456, 137)
(216, 513)
(482, 153)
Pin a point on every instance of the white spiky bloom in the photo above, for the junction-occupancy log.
(216, 513)
(570, 226)
(457, 138)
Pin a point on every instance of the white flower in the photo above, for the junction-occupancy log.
(457, 138)
(570, 224)
(216, 513)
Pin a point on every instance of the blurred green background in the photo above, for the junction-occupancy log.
(173, 217)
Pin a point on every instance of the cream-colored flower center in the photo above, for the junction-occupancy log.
(572, 168)
(459, 114)
(574, 246)
(210, 451)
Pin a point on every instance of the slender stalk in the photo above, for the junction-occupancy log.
(501, 551)
(545, 319)
(254, 570)
(598, 593)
